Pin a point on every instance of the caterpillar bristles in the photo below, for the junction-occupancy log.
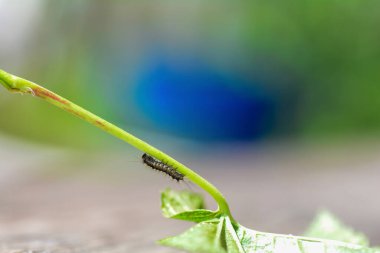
(163, 167)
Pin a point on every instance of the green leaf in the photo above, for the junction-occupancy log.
(260, 242)
(327, 226)
(185, 205)
(205, 237)
(219, 235)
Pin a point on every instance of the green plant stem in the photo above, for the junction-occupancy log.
(19, 85)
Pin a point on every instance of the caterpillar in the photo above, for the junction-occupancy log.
(160, 166)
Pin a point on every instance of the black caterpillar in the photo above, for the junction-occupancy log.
(160, 166)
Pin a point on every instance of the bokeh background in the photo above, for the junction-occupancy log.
(276, 102)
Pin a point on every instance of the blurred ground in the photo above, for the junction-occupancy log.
(110, 202)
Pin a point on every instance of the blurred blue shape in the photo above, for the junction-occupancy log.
(185, 96)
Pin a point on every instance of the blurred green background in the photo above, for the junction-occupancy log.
(312, 67)
(276, 102)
